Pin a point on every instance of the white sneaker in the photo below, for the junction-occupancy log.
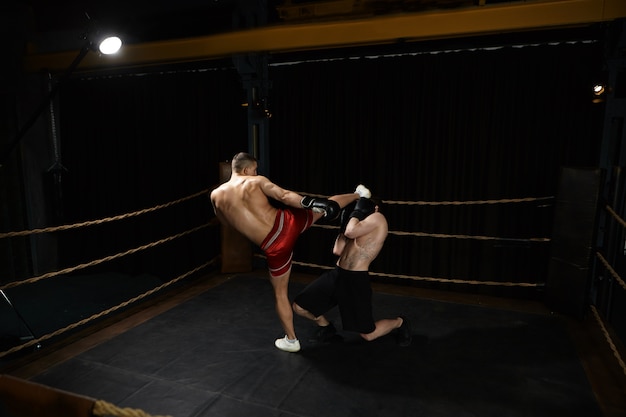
(286, 345)
(362, 191)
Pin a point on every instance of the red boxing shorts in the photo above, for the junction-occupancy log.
(279, 243)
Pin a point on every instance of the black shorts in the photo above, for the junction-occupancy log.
(350, 290)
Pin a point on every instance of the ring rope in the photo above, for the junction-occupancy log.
(102, 260)
(606, 264)
(613, 273)
(99, 221)
(463, 203)
(34, 342)
(461, 281)
(103, 408)
(452, 203)
(446, 236)
(608, 338)
(475, 237)
(430, 279)
(616, 216)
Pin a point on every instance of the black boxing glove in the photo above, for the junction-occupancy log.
(330, 208)
(344, 217)
(363, 208)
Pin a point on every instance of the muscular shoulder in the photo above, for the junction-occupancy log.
(379, 218)
(216, 192)
(257, 180)
(381, 227)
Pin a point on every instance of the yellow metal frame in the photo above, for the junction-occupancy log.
(418, 26)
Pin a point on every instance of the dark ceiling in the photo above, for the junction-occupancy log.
(139, 20)
(144, 21)
(159, 26)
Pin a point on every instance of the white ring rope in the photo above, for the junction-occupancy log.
(608, 339)
(204, 192)
(621, 283)
(613, 273)
(616, 216)
(33, 342)
(606, 264)
(430, 279)
(100, 221)
(453, 203)
(38, 340)
(447, 236)
(456, 203)
(106, 409)
(102, 260)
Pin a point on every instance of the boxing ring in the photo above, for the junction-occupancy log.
(36, 342)
(16, 392)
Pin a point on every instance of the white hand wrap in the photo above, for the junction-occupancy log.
(362, 191)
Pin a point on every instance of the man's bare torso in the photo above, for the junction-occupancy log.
(358, 254)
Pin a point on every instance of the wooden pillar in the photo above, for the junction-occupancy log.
(573, 236)
(236, 249)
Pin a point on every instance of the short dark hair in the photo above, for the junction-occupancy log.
(378, 202)
(241, 161)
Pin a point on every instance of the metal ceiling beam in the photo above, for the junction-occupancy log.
(418, 26)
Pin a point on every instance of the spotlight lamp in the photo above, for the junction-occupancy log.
(110, 45)
(101, 39)
(598, 89)
(599, 92)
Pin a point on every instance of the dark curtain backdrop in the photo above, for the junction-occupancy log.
(451, 126)
(136, 141)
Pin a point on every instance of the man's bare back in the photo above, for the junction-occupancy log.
(242, 203)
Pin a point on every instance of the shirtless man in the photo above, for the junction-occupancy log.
(361, 237)
(243, 202)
